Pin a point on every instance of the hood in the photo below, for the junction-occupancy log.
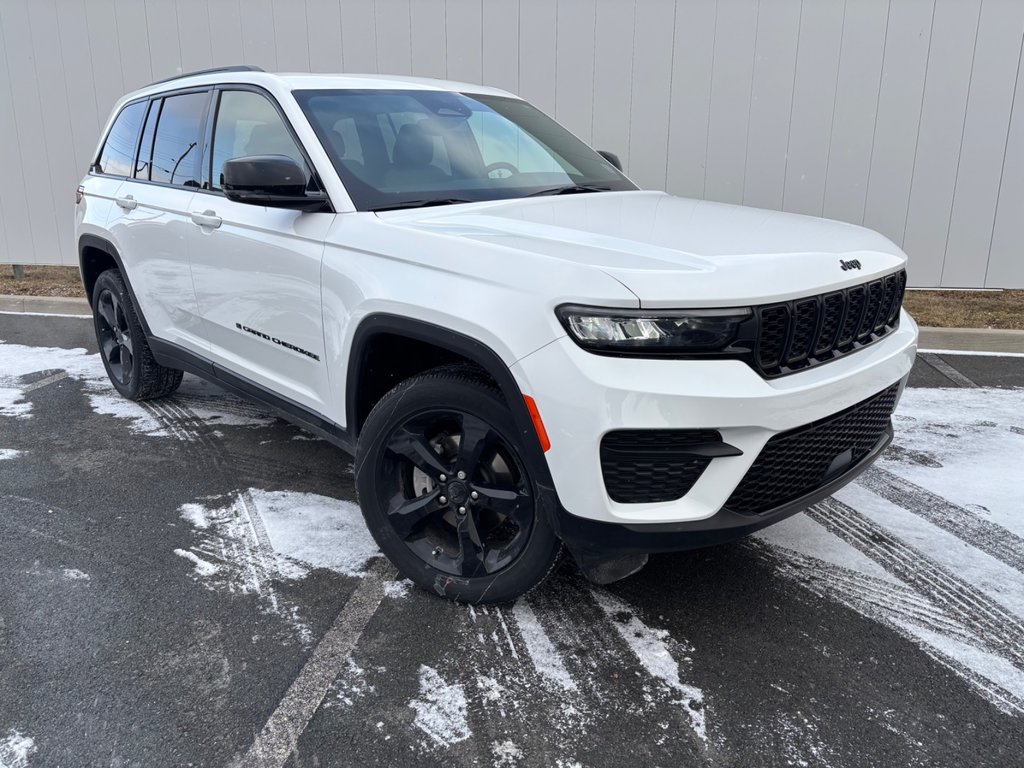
(673, 251)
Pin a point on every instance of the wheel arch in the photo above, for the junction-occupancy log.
(364, 382)
(95, 256)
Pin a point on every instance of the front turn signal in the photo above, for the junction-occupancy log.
(538, 425)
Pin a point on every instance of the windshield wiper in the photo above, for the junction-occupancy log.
(421, 203)
(570, 189)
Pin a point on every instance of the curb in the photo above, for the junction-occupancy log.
(46, 305)
(947, 339)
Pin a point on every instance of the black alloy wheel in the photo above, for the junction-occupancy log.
(456, 493)
(446, 492)
(114, 335)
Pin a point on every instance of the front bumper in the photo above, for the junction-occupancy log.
(582, 396)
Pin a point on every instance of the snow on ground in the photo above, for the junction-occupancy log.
(248, 542)
(651, 648)
(440, 709)
(398, 588)
(542, 651)
(930, 542)
(16, 749)
(196, 399)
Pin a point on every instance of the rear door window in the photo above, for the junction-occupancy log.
(176, 144)
(119, 148)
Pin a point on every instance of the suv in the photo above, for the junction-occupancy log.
(521, 348)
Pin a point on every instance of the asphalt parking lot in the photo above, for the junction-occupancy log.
(188, 582)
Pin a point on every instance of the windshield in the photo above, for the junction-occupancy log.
(397, 149)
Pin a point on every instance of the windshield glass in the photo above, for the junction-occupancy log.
(397, 149)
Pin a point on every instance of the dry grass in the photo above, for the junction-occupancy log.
(940, 309)
(41, 281)
(967, 309)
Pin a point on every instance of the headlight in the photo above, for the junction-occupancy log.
(655, 332)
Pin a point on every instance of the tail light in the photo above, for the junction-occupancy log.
(79, 194)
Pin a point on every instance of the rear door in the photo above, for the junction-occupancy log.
(152, 223)
(257, 269)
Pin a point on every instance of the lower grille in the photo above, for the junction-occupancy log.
(797, 462)
(651, 465)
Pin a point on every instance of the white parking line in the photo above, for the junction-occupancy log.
(947, 370)
(276, 742)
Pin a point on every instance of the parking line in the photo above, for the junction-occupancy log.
(947, 370)
(276, 742)
(52, 379)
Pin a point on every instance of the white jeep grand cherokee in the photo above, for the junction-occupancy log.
(521, 348)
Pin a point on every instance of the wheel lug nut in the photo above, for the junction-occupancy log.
(462, 510)
(443, 499)
(462, 475)
(443, 478)
(474, 495)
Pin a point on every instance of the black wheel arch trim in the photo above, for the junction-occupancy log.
(476, 352)
(107, 247)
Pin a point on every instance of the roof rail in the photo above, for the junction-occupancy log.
(211, 71)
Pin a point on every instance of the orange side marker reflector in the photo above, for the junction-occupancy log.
(538, 425)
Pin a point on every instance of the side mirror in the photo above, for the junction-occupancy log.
(275, 181)
(611, 157)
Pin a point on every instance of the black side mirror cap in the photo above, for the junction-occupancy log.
(611, 157)
(276, 181)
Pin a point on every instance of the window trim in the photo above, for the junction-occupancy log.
(208, 123)
(150, 98)
(106, 138)
(211, 136)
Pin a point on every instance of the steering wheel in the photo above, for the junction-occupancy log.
(501, 166)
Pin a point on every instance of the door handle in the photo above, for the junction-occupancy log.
(127, 202)
(207, 219)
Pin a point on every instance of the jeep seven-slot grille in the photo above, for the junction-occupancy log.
(650, 465)
(797, 334)
(797, 462)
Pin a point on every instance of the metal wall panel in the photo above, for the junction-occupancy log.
(690, 104)
(771, 103)
(983, 146)
(856, 105)
(732, 76)
(906, 116)
(939, 137)
(1005, 262)
(814, 98)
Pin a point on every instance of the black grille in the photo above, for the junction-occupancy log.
(649, 465)
(813, 330)
(797, 462)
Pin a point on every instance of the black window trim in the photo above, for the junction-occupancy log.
(206, 149)
(106, 138)
(211, 134)
(138, 136)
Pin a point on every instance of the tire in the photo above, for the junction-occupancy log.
(125, 352)
(489, 549)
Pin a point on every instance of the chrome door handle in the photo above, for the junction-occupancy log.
(127, 202)
(207, 219)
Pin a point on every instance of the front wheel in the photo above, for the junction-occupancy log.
(445, 491)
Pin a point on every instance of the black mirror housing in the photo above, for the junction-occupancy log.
(275, 181)
(611, 157)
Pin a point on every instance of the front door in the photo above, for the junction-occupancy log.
(257, 269)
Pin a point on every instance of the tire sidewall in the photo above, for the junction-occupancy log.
(111, 281)
(427, 392)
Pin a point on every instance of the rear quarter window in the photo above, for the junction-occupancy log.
(119, 148)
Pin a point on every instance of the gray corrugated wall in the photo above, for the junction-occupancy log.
(903, 115)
